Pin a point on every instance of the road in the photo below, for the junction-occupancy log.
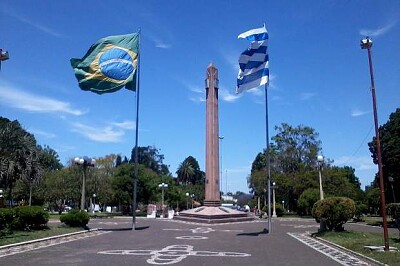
(169, 242)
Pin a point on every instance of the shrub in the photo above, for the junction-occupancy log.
(29, 217)
(361, 210)
(393, 210)
(6, 218)
(279, 210)
(307, 200)
(75, 218)
(334, 211)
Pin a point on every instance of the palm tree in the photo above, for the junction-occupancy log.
(185, 172)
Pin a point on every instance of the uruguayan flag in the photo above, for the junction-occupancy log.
(253, 62)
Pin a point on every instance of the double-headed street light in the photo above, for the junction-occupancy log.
(367, 44)
(320, 162)
(85, 162)
(162, 186)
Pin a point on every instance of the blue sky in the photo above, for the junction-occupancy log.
(319, 76)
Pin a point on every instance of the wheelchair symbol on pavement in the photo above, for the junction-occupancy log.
(173, 254)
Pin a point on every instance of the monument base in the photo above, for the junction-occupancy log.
(213, 215)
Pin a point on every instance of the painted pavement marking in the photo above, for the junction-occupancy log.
(302, 225)
(192, 237)
(203, 230)
(173, 254)
(11, 250)
(336, 254)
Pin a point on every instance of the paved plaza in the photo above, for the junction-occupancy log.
(170, 242)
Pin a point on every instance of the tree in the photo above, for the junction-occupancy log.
(390, 146)
(151, 158)
(307, 200)
(19, 155)
(189, 172)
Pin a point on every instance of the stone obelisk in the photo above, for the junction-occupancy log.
(212, 212)
(212, 193)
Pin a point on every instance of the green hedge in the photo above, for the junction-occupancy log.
(23, 218)
(6, 218)
(75, 218)
(30, 217)
(334, 211)
(393, 210)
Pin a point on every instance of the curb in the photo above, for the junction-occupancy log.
(46, 238)
(349, 251)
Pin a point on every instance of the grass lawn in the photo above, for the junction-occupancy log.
(357, 240)
(21, 236)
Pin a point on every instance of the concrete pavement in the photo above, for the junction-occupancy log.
(166, 242)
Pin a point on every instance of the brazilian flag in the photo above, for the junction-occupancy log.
(109, 65)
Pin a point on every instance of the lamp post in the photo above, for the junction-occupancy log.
(94, 202)
(391, 181)
(273, 199)
(187, 200)
(320, 162)
(85, 162)
(192, 196)
(283, 205)
(367, 44)
(162, 186)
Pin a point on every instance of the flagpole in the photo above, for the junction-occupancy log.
(135, 176)
(267, 159)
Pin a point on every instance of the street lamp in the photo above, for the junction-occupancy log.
(192, 196)
(187, 200)
(320, 161)
(94, 202)
(391, 181)
(283, 205)
(273, 199)
(367, 44)
(85, 162)
(162, 186)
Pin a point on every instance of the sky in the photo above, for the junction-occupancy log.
(319, 77)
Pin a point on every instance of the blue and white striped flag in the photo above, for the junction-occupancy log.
(253, 62)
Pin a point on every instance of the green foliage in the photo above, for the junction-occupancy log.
(279, 210)
(307, 200)
(361, 210)
(335, 211)
(6, 218)
(75, 218)
(150, 158)
(393, 210)
(390, 146)
(29, 217)
(189, 172)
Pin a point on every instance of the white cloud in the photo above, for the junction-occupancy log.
(99, 134)
(197, 99)
(125, 124)
(16, 98)
(379, 31)
(357, 112)
(227, 96)
(33, 24)
(358, 163)
(307, 95)
(42, 133)
(162, 45)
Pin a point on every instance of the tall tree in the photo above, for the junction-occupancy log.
(19, 154)
(189, 172)
(390, 146)
(151, 158)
